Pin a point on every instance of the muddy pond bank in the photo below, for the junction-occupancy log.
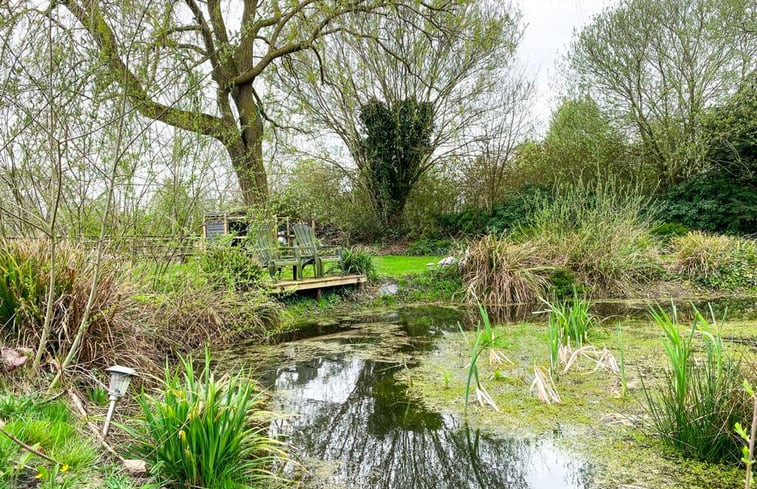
(375, 399)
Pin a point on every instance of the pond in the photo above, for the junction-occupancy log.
(352, 422)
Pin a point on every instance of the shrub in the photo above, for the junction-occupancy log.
(230, 267)
(429, 247)
(713, 203)
(598, 233)
(700, 400)
(200, 431)
(717, 262)
(513, 212)
(359, 261)
(24, 279)
(499, 271)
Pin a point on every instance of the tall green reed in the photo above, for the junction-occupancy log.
(571, 319)
(700, 399)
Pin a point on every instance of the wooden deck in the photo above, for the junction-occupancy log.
(317, 284)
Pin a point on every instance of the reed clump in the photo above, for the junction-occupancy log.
(202, 429)
(599, 233)
(714, 261)
(500, 271)
(24, 282)
(700, 399)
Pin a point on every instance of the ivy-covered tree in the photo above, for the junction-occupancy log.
(396, 152)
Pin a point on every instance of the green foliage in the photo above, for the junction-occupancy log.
(229, 266)
(669, 230)
(360, 261)
(700, 399)
(435, 285)
(429, 246)
(716, 262)
(511, 213)
(200, 430)
(581, 143)
(732, 129)
(571, 319)
(748, 438)
(395, 151)
(599, 232)
(564, 283)
(713, 202)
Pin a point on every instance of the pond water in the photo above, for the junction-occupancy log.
(351, 424)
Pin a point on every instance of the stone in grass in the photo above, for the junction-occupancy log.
(135, 467)
(449, 261)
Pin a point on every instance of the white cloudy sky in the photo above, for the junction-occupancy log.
(549, 29)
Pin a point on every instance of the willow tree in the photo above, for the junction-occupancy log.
(156, 52)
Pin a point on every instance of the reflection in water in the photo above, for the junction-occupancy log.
(351, 411)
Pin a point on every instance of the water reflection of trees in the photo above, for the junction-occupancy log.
(353, 412)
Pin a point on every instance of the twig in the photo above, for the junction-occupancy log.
(28, 448)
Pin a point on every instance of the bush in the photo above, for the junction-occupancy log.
(499, 271)
(700, 400)
(669, 230)
(359, 261)
(717, 262)
(713, 203)
(429, 247)
(513, 212)
(230, 267)
(201, 431)
(24, 279)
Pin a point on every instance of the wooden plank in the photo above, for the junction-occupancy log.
(318, 283)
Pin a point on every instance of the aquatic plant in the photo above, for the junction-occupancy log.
(543, 387)
(747, 451)
(571, 319)
(198, 430)
(599, 232)
(699, 402)
(485, 338)
(622, 362)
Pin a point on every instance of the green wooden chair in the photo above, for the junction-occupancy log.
(312, 252)
(275, 257)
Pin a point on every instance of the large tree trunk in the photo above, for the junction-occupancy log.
(246, 150)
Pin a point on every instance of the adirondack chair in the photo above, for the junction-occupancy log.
(310, 250)
(273, 257)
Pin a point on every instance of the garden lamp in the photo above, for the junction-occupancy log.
(119, 382)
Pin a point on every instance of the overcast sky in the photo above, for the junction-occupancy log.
(549, 29)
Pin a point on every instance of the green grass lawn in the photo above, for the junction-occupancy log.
(399, 266)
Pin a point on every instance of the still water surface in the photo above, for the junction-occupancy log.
(352, 425)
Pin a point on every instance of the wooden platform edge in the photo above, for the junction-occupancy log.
(317, 283)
